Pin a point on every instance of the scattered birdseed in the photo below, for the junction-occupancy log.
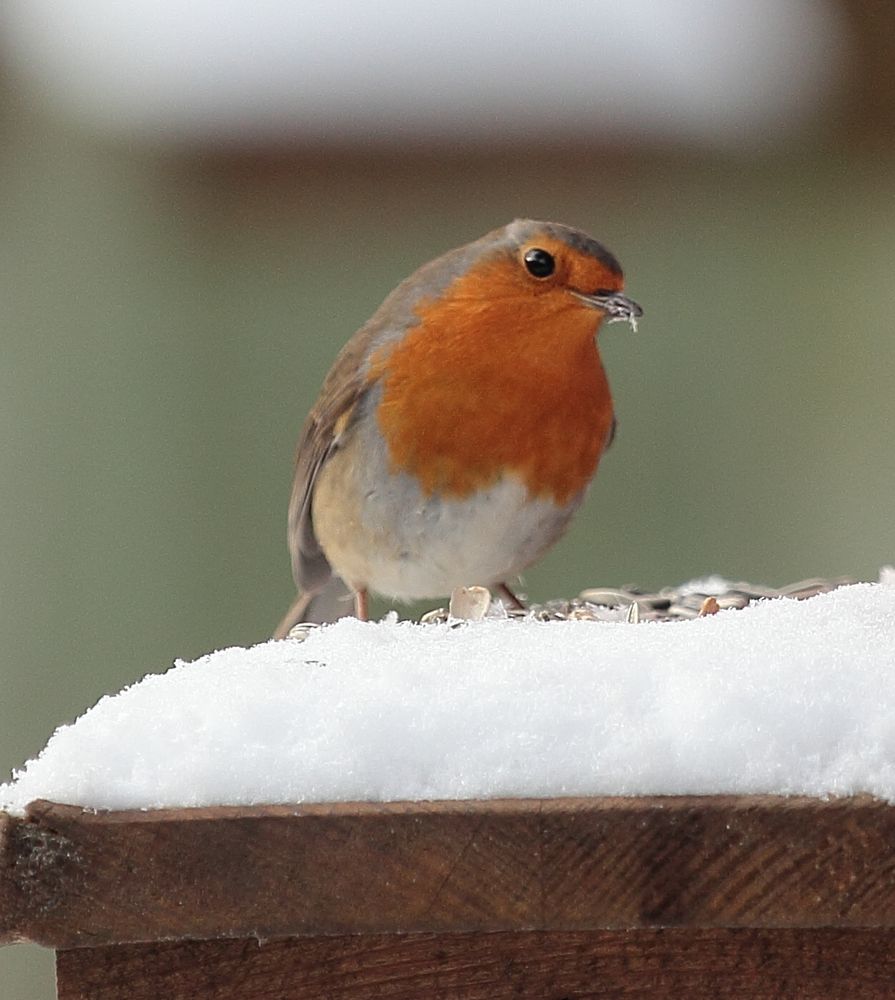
(631, 604)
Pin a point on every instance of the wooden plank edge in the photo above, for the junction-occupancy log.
(737, 964)
(73, 877)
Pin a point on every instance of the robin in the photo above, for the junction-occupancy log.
(459, 428)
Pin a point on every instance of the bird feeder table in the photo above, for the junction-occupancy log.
(696, 897)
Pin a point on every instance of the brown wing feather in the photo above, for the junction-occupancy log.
(330, 416)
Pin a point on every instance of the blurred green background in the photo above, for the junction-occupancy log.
(171, 306)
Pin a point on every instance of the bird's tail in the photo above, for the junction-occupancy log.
(331, 602)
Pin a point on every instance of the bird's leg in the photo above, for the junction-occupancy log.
(362, 605)
(511, 597)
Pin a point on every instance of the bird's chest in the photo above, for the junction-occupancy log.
(459, 425)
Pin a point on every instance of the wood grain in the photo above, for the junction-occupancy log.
(72, 878)
(746, 964)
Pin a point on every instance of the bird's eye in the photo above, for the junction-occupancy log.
(603, 293)
(539, 263)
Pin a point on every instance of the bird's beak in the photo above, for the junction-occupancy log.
(615, 305)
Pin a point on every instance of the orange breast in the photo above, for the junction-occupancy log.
(484, 386)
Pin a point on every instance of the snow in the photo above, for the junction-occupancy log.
(785, 696)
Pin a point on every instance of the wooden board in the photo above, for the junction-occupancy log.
(73, 878)
(743, 964)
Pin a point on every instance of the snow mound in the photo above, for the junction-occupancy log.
(785, 696)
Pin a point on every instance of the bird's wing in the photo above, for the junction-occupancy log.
(343, 390)
(344, 387)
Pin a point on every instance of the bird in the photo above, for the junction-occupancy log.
(459, 428)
